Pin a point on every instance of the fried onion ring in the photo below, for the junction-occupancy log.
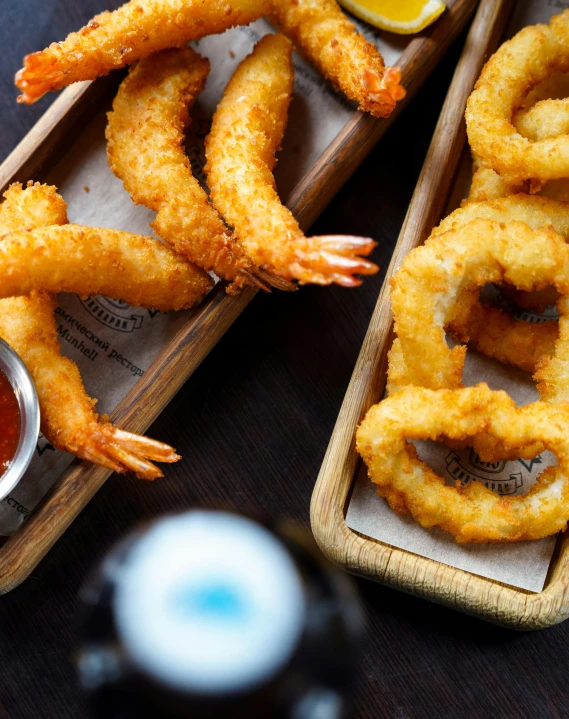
(518, 65)
(473, 513)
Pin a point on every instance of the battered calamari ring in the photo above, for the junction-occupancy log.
(145, 134)
(137, 29)
(518, 65)
(457, 264)
(90, 261)
(473, 513)
(490, 330)
(552, 374)
(327, 38)
(546, 118)
(246, 131)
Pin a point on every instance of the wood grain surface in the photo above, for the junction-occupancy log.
(253, 424)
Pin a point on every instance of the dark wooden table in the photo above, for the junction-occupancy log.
(253, 424)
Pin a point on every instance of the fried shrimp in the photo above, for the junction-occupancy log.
(90, 261)
(151, 111)
(472, 513)
(325, 36)
(246, 131)
(68, 419)
(457, 264)
(134, 31)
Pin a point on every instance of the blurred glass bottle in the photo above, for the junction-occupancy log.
(209, 614)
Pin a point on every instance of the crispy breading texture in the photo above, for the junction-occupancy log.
(67, 413)
(552, 374)
(329, 40)
(90, 261)
(518, 65)
(247, 129)
(490, 330)
(472, 513)
(134, 31)
(145, 147)
(454, 266)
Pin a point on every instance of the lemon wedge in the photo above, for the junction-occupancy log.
(401, 16)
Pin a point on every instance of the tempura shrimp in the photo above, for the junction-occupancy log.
(89, 261)
(247, 129)
(150, 111)
(133, 31)
(68, 419)
(327, 38)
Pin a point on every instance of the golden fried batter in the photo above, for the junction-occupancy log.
(325, 36)
(472, 513)
(145, 135)
(90, 261)
(247, 130)
(137, 29)
(456, 264)
(490, 330)
(68, 419)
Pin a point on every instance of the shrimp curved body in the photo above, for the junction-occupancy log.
(247, 129)
(133, 31)
(68, 419)
(150, 112)
(327, 38)
(90, 261)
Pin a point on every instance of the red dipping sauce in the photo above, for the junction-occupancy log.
(9, 423)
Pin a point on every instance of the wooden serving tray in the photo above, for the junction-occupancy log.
(455, 588)
(38, 153)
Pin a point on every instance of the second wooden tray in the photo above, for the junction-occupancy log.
(455, 588)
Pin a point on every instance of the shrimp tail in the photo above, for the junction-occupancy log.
(384, 90)
(122, 451)
(334, 259)
(36, 78)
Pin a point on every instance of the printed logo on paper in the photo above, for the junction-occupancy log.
(115, 314)
(43, 445)
(466, 471)
(493, 294)
(528, 463)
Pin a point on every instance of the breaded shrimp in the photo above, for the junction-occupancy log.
(137, 29)
(90, 261)
(247, 130)
(324, 35)
(145, 135)
(68, 419)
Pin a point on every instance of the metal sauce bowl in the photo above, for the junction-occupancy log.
(19, 377)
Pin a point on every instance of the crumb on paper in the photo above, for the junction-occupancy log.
(231, 54)
(86, 188)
